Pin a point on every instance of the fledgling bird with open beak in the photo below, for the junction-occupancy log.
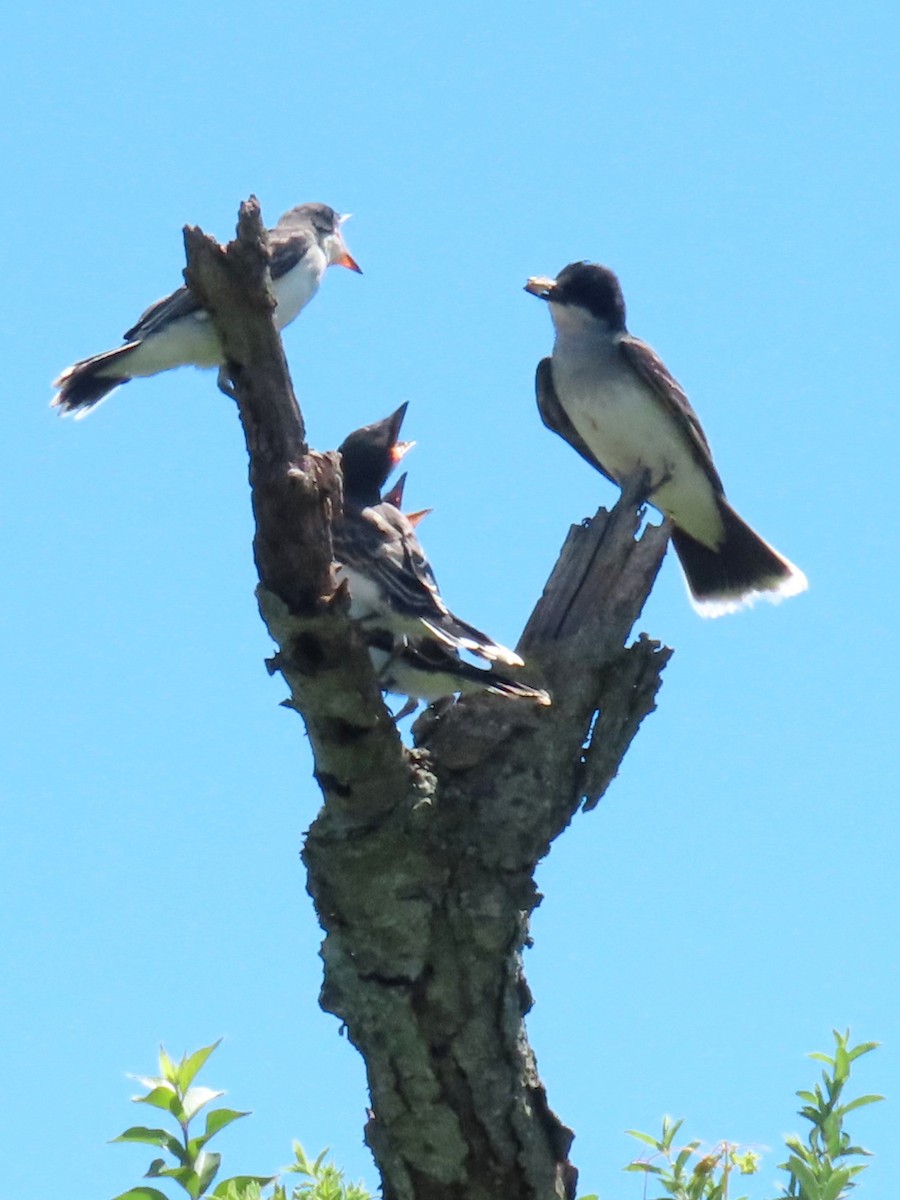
(176, 331)
(610, 396)
(414, 640)
(391, 583)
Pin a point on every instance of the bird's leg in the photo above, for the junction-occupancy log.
(409, 707)
(638, 487)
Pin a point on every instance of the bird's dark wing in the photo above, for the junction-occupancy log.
(379, 543)
(287, 246)
(170, 308)
(647, 364)
(554, 416)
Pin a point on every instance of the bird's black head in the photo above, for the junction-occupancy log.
(368, 456)
(586, 285)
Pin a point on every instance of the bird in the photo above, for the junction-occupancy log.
(421, 669)
(395, 497)
(390, 581)
(610, 396)
(176, 331)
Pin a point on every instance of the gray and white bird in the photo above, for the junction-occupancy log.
(414, 640)
(176, 331)
(610, 396)
(391, 584)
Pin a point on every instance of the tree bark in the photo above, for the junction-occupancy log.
(421, 860)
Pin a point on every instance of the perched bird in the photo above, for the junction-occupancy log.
(425, 670)
(391, 583)
(176, 331)
(395, 497)
(609, 395)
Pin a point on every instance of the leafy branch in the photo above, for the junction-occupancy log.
(193, 1167)
(816, 1169)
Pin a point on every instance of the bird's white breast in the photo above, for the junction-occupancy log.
(627, 427)
(294, 290)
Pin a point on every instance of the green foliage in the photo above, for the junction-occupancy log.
(322, 1181)
(816, 1169)
(194, 1168)
(706, 1179)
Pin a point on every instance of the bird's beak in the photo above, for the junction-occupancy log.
(415, 517)
(396, 420)
(399, 450)
(341, 256)
(540, 286)
(347, 260)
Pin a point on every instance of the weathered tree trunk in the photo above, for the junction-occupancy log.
(421, 861)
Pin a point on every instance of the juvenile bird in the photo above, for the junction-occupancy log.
(414, 640)
(391, 583)
(176, 331)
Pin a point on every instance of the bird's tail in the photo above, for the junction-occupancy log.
(424, 669)
(86, 383)
(501, 685)
(738, 572)
(460, 635)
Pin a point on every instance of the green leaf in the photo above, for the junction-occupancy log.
(233, 1189)
(242, 1182)
(167, 1068)
(860, 1101)
(216, 1119)
(165, 1098)
(646, 1138)
(207, 1167)
(670, 1128)
(833, 1189)
(219, 1118)
(819, 1057)
(142, 1193)
(647, 1168)
(183, 1176)
(195, 1098)
(805, 1178)
(152, 1137)
(862, 1048)
(841, 1062)
(151, 1082)
(683, 1158)
(189, 1066)
(317, 1165)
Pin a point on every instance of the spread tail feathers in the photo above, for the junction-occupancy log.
(86, 383)
(742, 569)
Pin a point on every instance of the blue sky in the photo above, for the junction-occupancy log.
(736, 894)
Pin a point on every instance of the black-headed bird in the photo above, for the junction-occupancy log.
(610, 396)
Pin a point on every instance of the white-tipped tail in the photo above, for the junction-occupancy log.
(741, 570)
